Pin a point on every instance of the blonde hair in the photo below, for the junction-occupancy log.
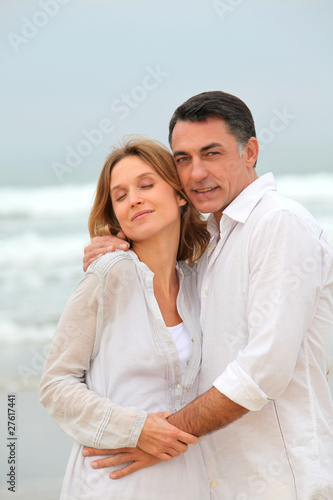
(194, 236)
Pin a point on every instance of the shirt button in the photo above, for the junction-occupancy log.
(203, 437)
(179, 386)
(206, 291)
(212, 484)
(209, 248)
(188, 362)
(192, 339)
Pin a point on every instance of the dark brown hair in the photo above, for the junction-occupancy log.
(217, 104)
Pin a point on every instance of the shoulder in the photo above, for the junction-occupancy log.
(105, 263)
(278, 210)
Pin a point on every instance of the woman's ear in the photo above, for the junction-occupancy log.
(181, 201)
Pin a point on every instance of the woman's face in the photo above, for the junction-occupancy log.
(144, 203)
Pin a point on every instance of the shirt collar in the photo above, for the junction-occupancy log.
(241, 207)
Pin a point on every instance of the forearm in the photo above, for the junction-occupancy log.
(88, 418)
(209, 412)
(80, 412)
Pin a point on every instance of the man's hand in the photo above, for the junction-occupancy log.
(101, 245)
(163, 440)
(139, 460)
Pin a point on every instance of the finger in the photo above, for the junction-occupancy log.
(103, 462)
(186, 438)
(118, 241)
(120, 245)
(99, 239)
(119, 459)
(121, 235)
(179, 447)
(133, 467)
(167, 456)
(90, 452)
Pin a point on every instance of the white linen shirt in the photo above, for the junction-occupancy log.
(266, 291)
(111, 361)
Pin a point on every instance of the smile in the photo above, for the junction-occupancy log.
(204, 190)
(141, 214)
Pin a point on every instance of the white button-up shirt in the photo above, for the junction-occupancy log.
(266, 291)
(112, 337)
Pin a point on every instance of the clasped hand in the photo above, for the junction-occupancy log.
(158, 440)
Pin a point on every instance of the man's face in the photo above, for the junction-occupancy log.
(209, 165)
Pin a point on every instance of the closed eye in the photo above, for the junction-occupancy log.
(121, 197)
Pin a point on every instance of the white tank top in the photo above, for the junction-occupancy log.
(182, 340)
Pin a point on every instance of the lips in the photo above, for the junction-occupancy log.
(204, 190)
(139, 215)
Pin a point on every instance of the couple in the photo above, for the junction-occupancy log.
(127, 347)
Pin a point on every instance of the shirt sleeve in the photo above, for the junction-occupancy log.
(285, 282)
(81, 413)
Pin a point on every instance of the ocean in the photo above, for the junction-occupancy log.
(43, 231)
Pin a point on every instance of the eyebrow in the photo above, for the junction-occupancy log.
(145, 174)
(202, 150)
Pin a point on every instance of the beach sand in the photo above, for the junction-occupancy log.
(41, 450)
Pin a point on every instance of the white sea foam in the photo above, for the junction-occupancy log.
(13, 332)
(31, 248)
(54, 201)
(307, 188)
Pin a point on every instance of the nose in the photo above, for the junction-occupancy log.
(198, 171)
(135, 198)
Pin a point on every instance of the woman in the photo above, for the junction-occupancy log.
(128, 345)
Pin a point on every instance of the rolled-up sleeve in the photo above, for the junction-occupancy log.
(81, 413)
(285, 281)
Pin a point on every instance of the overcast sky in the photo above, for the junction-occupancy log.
(77, 75)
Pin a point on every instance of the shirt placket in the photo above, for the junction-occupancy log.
(225, 228)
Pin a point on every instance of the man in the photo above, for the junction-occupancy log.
(266, 291)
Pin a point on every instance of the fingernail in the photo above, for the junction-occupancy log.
(113, 475)
(94, 465)
(123, 246)
(85, 453)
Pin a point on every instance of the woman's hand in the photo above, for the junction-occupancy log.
(101, 245)
(163, 440)
(139, 460)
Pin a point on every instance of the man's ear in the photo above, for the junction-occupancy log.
(251, 151)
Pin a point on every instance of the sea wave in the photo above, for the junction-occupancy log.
(29, 249)
(307, 188)
(46, 201)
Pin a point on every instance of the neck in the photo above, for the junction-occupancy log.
(160, 255)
